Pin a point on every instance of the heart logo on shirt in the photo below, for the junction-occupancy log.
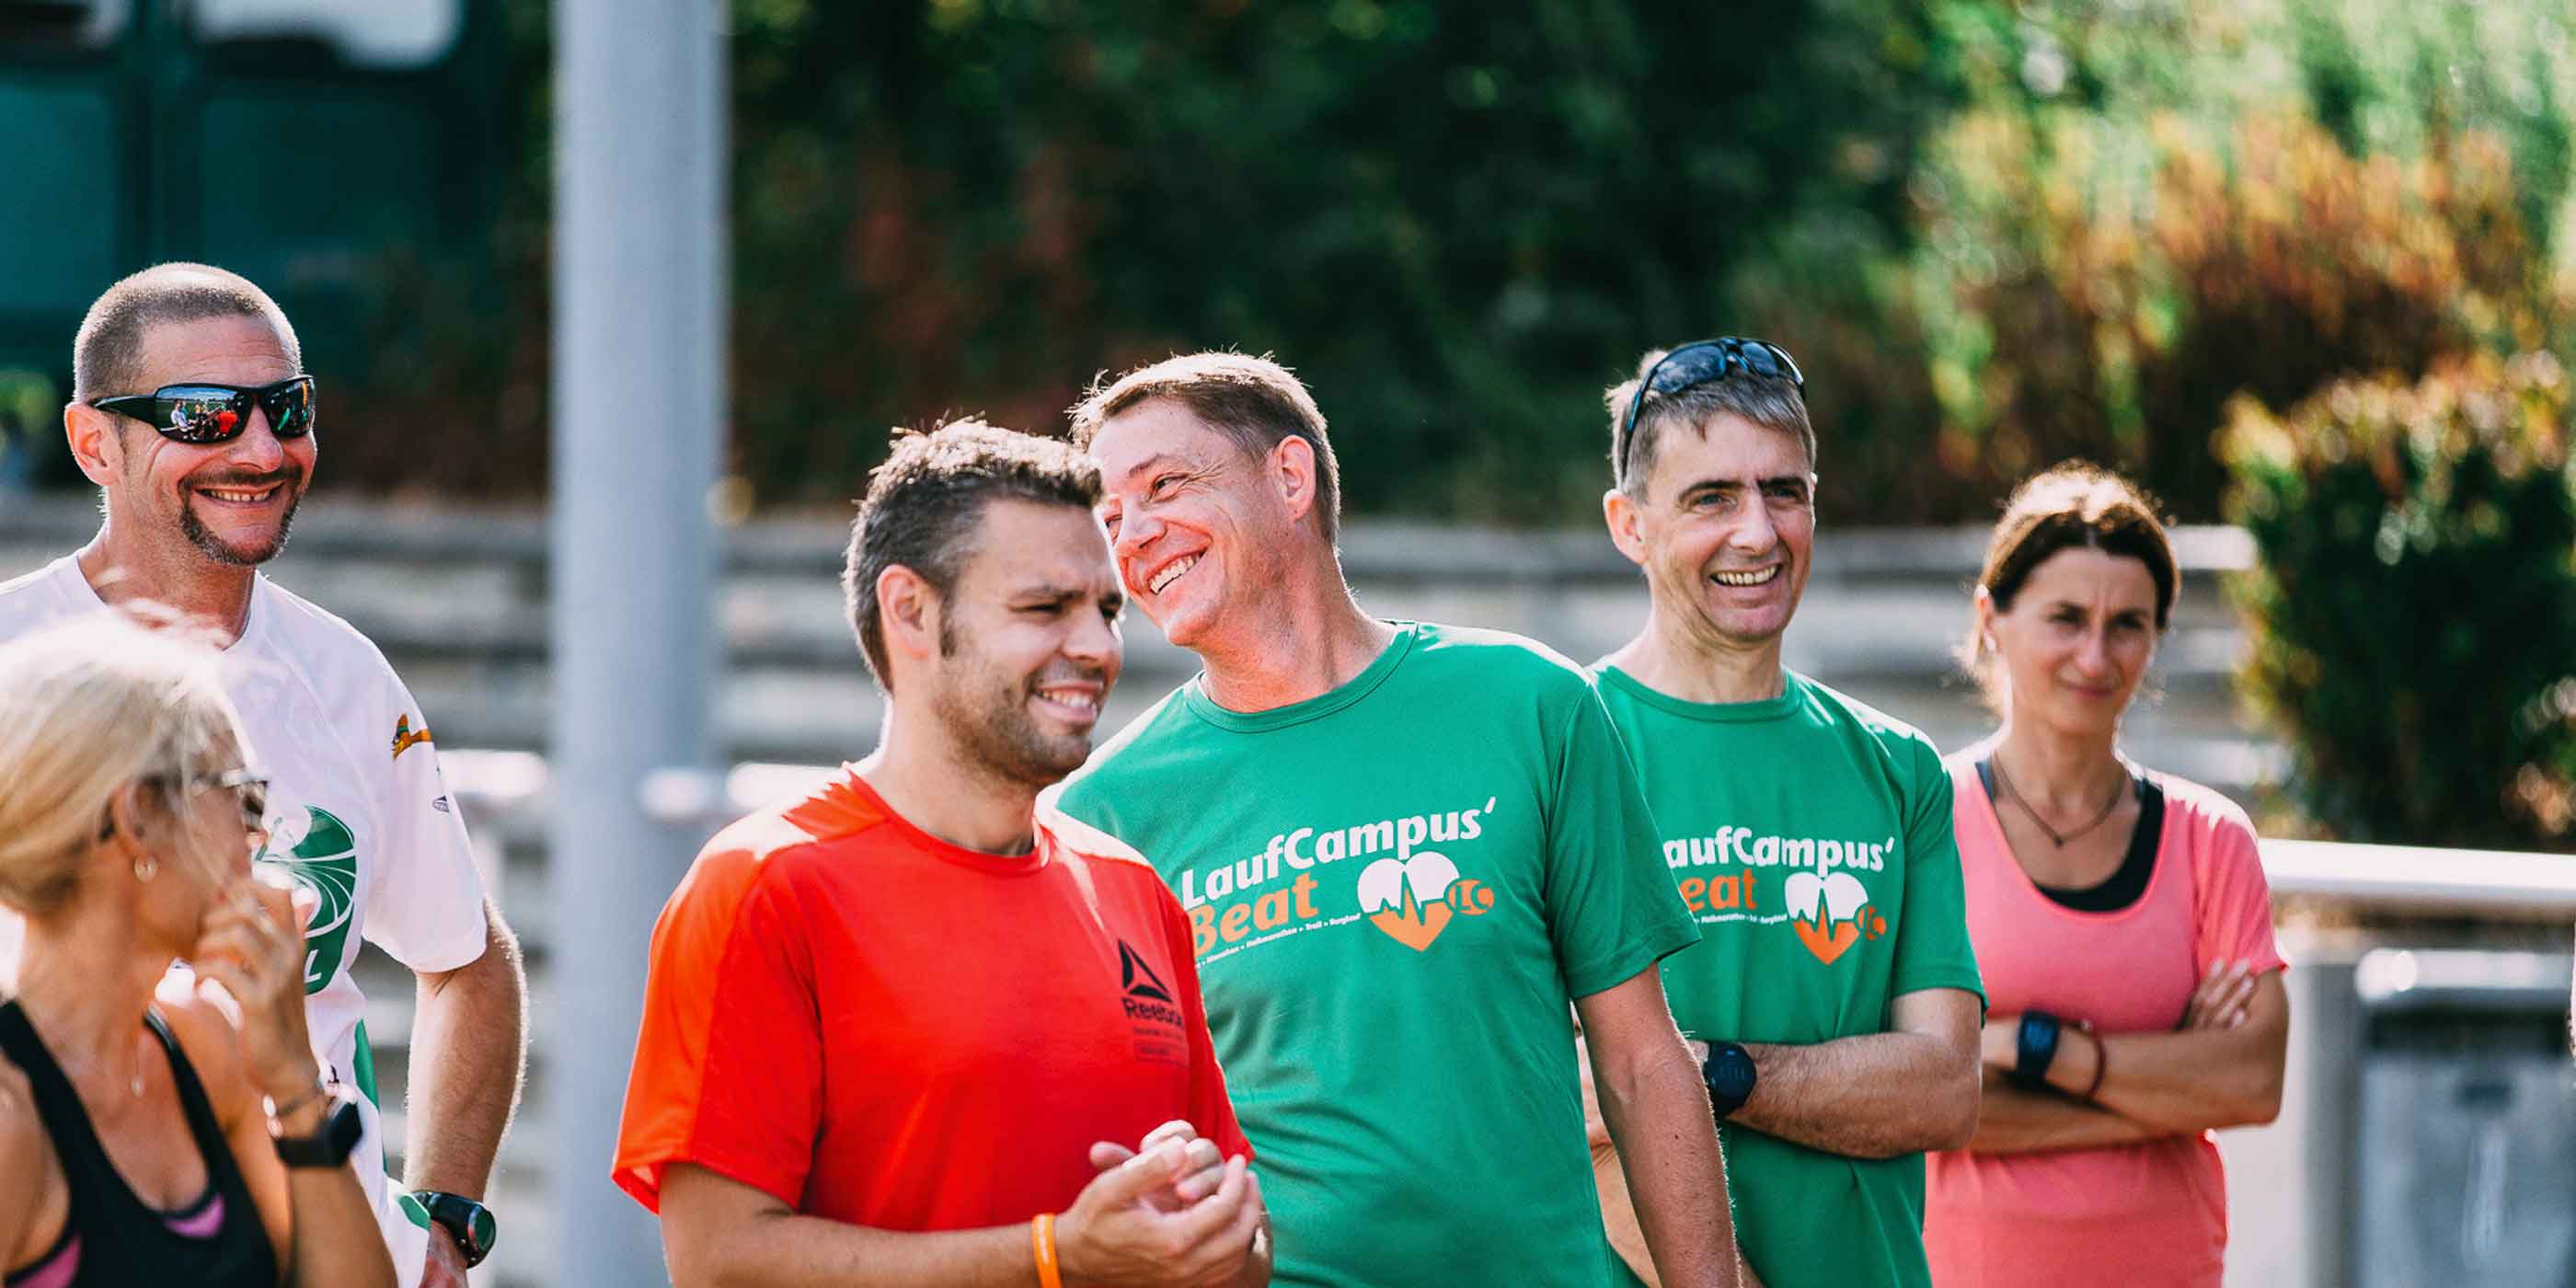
(1414, 899)
(1825, 911)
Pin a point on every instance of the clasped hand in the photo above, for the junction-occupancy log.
(1170, 1213)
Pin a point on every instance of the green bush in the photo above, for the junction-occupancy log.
(2412, 618)
(2146, 210)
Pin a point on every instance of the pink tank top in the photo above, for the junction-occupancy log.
(2156, 1210)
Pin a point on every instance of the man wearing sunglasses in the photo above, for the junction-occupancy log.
(1833, 999)
(1410, 854)
(194, 416)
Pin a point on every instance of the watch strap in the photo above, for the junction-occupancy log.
(469, 1223)
(332, 1142)
(2035, 1044)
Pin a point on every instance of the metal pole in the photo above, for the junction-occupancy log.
(639, 360)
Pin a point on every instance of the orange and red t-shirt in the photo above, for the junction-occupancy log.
(878, 1027)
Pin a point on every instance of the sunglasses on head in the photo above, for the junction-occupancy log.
(1697, 363)
(201, 413)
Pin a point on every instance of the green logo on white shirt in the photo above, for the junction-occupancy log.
(322, 856)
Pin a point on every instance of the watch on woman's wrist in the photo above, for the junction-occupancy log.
(331, 1141)
(469, 1223)
(2035, 1048)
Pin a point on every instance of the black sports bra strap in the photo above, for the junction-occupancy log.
(66, 1121)
(202, 1123)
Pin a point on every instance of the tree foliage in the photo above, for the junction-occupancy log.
(2416, 594)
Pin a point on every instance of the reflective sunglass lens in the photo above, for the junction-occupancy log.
(290, 410)
(202, 417)
(1681, 371)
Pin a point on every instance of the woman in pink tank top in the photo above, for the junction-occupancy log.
(2120, 919)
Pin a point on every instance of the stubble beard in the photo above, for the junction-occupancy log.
(987, 717)
(223, 552)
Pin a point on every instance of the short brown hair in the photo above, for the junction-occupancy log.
(2070, 505)
(926, 502)
(1254, 401)
(1769, 401)
(107, 355)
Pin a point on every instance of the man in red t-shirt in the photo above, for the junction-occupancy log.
(893, 1030)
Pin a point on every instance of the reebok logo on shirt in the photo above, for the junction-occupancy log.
(1150, 1007)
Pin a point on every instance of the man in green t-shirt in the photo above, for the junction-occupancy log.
(1833, 995)
(1404, 848)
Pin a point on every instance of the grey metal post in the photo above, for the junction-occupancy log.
(639, 360)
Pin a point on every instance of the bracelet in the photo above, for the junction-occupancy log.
(2101, 1058)
(278, 1113)
(1042, 1242)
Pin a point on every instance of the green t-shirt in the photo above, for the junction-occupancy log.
(1394, 889)
(1810, 836)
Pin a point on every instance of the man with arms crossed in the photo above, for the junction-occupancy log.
(192, 412)
(1403, 847)
(891, 1028)
(1809, 834)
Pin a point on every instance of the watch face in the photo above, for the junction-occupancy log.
(1730, 1072)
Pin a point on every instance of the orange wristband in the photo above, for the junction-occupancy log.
(1042, 1242)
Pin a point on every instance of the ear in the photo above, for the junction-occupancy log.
(1619, 510)
(1987, 613)
(96, 448)
(1292, 471)
(130, 819)
(908, 609)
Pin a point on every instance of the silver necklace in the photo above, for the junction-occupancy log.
(2055, 837)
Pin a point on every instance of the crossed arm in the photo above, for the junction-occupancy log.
(1874, 1095)
(2222, 1069)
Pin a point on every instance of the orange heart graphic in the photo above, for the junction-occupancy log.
(1415, 930)
(1826, 946)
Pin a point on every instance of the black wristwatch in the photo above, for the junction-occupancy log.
(2035, 1048)
(1728, 1071)
(466, 1221)
(331, 1143)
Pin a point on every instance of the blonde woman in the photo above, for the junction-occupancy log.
(2121, 919)
(157, 1125)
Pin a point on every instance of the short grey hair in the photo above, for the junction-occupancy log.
(1773, 402)
(107, 356)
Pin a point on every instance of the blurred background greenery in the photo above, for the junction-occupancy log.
(1995, 234)
(2282, 260)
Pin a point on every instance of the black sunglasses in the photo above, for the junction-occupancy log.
(1692, 365)
(206, 413)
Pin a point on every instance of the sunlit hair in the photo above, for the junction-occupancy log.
(88, 706)
(925, 506)
(1772, 402)
(107, 355)
(1253, 401)
(2076, 504)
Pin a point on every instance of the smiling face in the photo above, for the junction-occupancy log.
(231, 502)
(1028, 642)
(1725, 530)
(2077, 639)
(1196, 523)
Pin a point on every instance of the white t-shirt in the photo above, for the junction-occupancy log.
(357, 812)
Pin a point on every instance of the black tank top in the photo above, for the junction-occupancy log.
(113, 1238)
